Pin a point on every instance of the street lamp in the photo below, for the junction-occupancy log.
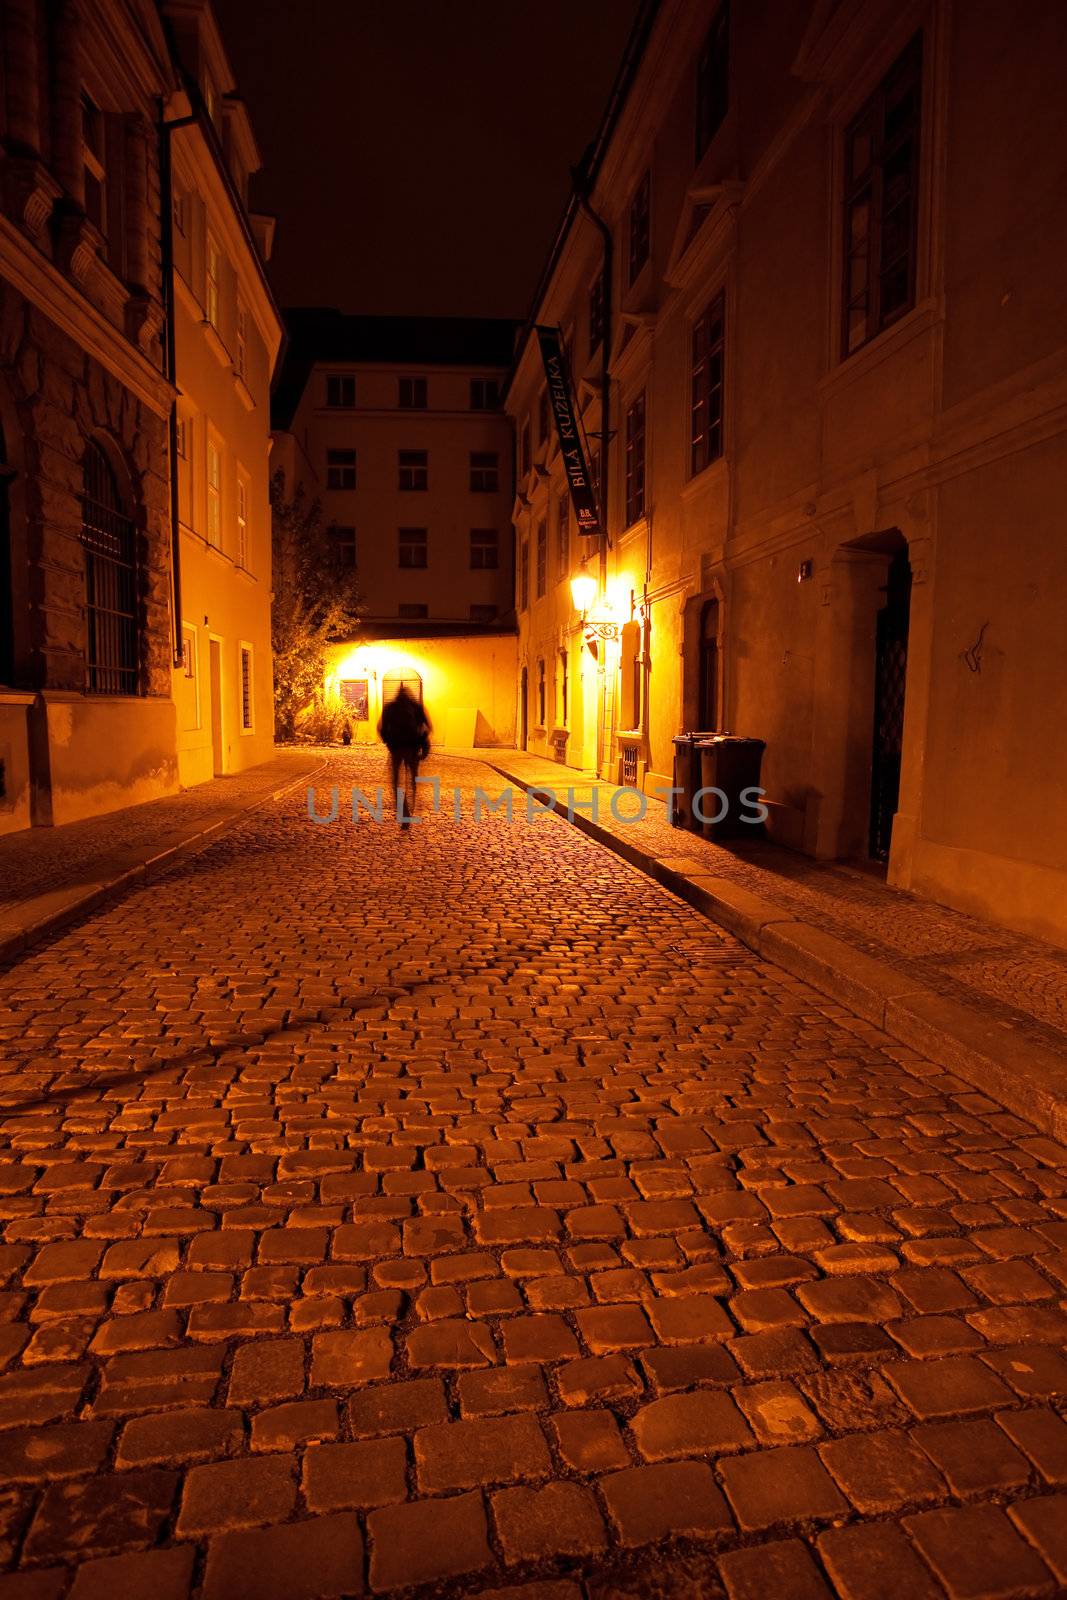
(583, 589)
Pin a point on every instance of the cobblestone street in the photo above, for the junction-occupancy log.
(458, 1213)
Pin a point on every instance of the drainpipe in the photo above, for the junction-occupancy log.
(166, 251)
(582, 196)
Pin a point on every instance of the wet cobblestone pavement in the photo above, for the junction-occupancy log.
(457, 1213)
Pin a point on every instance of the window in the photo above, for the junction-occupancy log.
(713, 80)
(246, 689)
(485, 394)
(480, 613)
(111, 580)
(355, 698)
(340, 469)
(412, 547)
(94, 172)
(214, 494)
(485, 472)
(412, 611)
(343, 545)
(340, 391)
(524, 449)
(541, 694)
(881, 182)
(412, 394)
(187, 689)
(542, 416)
(563, 536)
(524, 576)
(413, 467)
(596, 312)
(564, 686)
(241, 329)
(484, 548)
(542, 557)
(639, 226)
(635, 461)
(242, 520)
(706, 387)
(213, 282)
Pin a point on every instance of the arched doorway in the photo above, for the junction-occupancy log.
(7, 607)
(708, 680)
(890, 677)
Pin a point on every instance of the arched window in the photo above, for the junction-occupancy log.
(709, 667)
(110, 544)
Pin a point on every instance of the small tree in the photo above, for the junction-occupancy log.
(315, 604)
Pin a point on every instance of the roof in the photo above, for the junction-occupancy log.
(321, 334)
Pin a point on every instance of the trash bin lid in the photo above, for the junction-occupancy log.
(713, 740)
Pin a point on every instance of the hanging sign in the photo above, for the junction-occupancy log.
(561, 400)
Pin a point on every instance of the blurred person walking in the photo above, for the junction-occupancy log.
(405, 731)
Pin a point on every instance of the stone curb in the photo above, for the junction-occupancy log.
(57, 908)
(1027, 1078)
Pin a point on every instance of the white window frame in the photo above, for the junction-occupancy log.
(214, 483)
(213, 282)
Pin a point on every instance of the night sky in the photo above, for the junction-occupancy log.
(417, 153)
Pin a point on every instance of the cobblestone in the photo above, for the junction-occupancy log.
(458, 1209)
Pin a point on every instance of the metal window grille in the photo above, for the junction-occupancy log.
(109, 541)
(246, 688)
(629, 765)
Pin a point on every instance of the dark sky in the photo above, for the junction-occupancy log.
(417, 153)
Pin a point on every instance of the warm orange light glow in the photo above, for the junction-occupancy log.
(583, 590)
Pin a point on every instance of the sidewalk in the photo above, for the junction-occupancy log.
(50, 875)
(982, 1001)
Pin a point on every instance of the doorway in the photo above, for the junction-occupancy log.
(524, 709)
(708, 719)
(218, 764)
(890, 677)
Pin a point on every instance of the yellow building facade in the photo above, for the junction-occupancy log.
(227, 335)
(834, 318)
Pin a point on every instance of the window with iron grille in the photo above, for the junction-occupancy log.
(639, 226)
(109, 542)
(412, 396)
(713, 80)
(246, 689)
(563, 535)
(485, 394)
(412, 547)
(596, 312)
(340, 469)
(413, 469)
(340, 391)
(542, 557)
(485, 472)
(706, 387)
(524, 575)
(343, 544)
(881, 212)
(485, 545)
(635, 461)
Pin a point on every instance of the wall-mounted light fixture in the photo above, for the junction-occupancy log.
(597, 621)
